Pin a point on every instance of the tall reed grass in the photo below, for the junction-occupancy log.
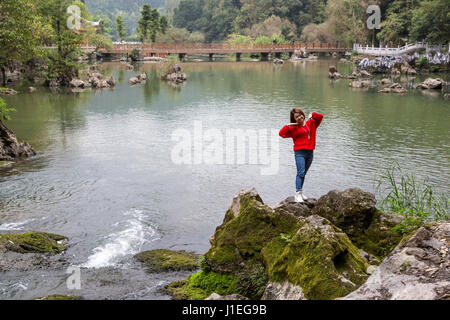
(417, 200)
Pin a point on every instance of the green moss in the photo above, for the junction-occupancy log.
(379, 239)
(244, 236)
(29, 242)
(5, 163)
(317, 259)
(201, 285)
(59, 297)
(167, 260)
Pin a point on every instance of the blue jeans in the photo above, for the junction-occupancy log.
(303, 160)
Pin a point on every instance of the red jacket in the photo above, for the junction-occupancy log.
(304, 137)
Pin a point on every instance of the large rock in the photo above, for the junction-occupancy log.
(11, 148)
(8, 91)
(31, 251)
(77, 83)
(161, 260)
(354, 211)
(283, 291)
(418, 269)
(215, 296)
(394, 88)
(261, 247)
(360, 84)
(431, 83)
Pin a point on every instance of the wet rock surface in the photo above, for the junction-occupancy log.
(32, 250)
(10, 148)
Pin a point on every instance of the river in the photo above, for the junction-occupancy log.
(105, 174)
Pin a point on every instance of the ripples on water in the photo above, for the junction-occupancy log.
(105, 179)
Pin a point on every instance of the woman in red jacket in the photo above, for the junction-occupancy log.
(304, 135)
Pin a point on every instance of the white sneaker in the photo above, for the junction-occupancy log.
(303, 196)
(298, 197)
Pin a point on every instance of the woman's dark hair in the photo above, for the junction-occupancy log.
(293, 112)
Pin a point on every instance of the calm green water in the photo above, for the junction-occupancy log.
(105, 175)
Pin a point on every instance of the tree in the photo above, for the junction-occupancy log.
(148, 24)
(20, 33)
(431, 22)
(120, 28)
(397, 22)
(5, 110)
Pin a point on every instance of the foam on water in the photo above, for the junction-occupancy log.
(14, 225)
(135, 232)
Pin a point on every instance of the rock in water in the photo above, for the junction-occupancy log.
(10, 148)
(431, 83)
(418, 269)
(161, 260)
(32, 250)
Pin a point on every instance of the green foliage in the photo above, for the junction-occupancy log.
(235, 38)
(431, 22)
(121, 31)
(422, 62)
(21, 31)
(263, 40)
(416, 200)
(286, 238)
(150, 24)
(4, 109)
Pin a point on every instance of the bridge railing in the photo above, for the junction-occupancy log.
(126, 47)
(407, 48)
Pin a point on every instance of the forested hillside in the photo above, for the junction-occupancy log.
(317, 20)
(129, 10)
(284, 20)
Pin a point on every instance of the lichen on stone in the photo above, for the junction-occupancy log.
(33, 242)
(162, 260)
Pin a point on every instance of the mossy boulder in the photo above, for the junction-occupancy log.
(201, 285)
(161, 260)
(257, 245)
(320, 259)
(354, 211)
(33, 242)
(59, 297)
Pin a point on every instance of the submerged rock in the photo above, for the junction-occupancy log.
(418, 269)
(10, 148)
(162, 260)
